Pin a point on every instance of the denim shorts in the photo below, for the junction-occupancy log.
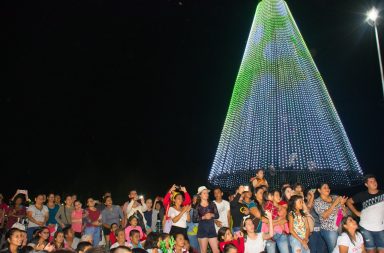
(373, 239)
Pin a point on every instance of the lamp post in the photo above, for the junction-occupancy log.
(372, 17)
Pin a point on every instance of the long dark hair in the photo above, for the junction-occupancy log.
(221, 233)
(344, 230)
(292, 204)
(152, 241)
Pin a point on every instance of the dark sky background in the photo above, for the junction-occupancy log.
(99, 95)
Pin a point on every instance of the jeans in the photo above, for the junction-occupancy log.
(194, 242)
(270, 246)
(316, 243)
(282, 242)
(330, 238)
(373, 239)
(95, 232)
(296, 245)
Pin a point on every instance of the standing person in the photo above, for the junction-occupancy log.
(372, 214)
(77, 216)
(350, 240)
(37, 215)
(205, 214)
(52, 210)
(330, 209)
(298, 225)
(111, 214)
(223, 208)
(136, 206)
(316, 242)
(238, 210)
(179, 215)
(93, 222)
(193, 227)
(64, 215)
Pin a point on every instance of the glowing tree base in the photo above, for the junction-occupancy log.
(281, 117)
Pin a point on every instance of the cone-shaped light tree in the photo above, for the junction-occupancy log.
(281, 117)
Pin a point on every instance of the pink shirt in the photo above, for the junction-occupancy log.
(129, 229)
(77, 220)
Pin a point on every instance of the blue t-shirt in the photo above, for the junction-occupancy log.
(52, 214)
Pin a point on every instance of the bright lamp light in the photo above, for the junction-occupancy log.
(372, 15)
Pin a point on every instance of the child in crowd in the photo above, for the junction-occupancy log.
(225, 237)
(133, 225)
(350, 240)
(112, 235)
(298, 225)
(134, 236)
(259, 179)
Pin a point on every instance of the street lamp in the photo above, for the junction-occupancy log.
(372, 17)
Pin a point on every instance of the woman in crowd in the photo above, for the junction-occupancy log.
(58, 240)
(37, 215)
(17, 211)
(179, 215)
(152, 243)
(330, 209)
(77, 218)
(205, 214)
(121, 239)
(53, 208)
(350, 240)
(111, 214)
(14, 240)
(255, 242)
(64, 215)
(93, 222)
(179, 244)
(40, 239)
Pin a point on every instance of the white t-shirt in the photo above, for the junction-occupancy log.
(223, 208)
(182, 222)
(372, 214)
(255, 246)
(116, 244)
(343, 240)
(37, 214)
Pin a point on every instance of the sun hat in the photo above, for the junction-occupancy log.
(202, 188)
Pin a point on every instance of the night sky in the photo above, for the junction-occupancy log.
(99, 95)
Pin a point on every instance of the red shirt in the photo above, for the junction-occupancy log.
(271, 208)
(92, 217)
(239, 244)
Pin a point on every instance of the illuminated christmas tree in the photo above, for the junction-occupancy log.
(281, 117)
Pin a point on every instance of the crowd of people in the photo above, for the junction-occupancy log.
(254, 219)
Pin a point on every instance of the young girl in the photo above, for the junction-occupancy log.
(298, 225)
(77, 219)
(112, 236)
(350, 240)
(179, 244)
(255, 242)
(152, 243)
(133, 226)
(259, 179)
(225, 236)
